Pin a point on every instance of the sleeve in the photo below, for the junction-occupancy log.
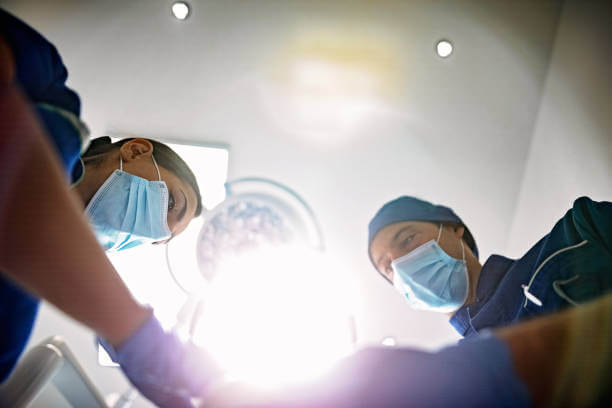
(39, 67)
(41, 75)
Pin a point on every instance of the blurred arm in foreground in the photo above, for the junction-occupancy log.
(48, 249)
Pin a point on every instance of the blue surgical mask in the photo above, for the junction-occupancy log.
(129, 210)
(430, 279)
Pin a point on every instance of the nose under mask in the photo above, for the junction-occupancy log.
(128, 210)
(430, 279)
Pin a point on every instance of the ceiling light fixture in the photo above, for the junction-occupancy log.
(389, 341)
(444, 48)
(181, 10)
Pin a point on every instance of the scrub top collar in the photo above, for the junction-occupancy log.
(491, 274)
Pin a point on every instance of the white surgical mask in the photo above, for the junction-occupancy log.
(430, 279)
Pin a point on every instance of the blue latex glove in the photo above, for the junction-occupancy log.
(475, 373)
(164, 370)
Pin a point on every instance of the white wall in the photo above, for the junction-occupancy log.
(571, 151)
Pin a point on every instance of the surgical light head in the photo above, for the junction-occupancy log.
(256, 214)
(275, 308)
(242, 226)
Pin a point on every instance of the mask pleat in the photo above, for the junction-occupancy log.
(431, 279)
(128, 211)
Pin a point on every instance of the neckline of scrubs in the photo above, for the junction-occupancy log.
(491, 274)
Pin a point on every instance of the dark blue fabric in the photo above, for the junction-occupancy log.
(41, 75)
(17, 313)
(66, 139)
(40, 70)
(408, 208)
(492, 273)
(580, 274)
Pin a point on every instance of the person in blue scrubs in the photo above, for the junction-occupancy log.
(431, 258)
(52, 237)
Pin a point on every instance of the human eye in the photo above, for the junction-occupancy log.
(171, 202)
(407, 240)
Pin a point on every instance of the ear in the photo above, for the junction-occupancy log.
(459, 230)
(136, 149)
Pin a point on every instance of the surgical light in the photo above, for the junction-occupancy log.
(444, 48)
(180, 10)
(256, 212)
(270, 306)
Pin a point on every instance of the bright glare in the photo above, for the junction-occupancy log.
(276, 316)
(180, 9)
(144, 271)
(323, 77)
(209, 164)
(331, 95)
(331, 83)
(444, 48)
(389, 342)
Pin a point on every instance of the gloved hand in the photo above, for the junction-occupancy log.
(164, 370)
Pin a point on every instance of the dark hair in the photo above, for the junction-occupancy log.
(165, 157)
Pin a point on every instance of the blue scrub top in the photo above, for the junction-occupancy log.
(569, 266)
(42, 76)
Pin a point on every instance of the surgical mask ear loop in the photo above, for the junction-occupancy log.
(467, 295)
(154, 162)
(439, 233)
(156, 168)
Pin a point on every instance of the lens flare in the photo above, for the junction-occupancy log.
(276, 316)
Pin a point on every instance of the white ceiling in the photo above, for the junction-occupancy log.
(456, 131)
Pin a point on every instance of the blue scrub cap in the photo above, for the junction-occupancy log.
(408, 208)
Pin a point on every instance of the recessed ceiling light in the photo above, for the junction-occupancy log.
(444, 48)
(388, 341)
(180, 10)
